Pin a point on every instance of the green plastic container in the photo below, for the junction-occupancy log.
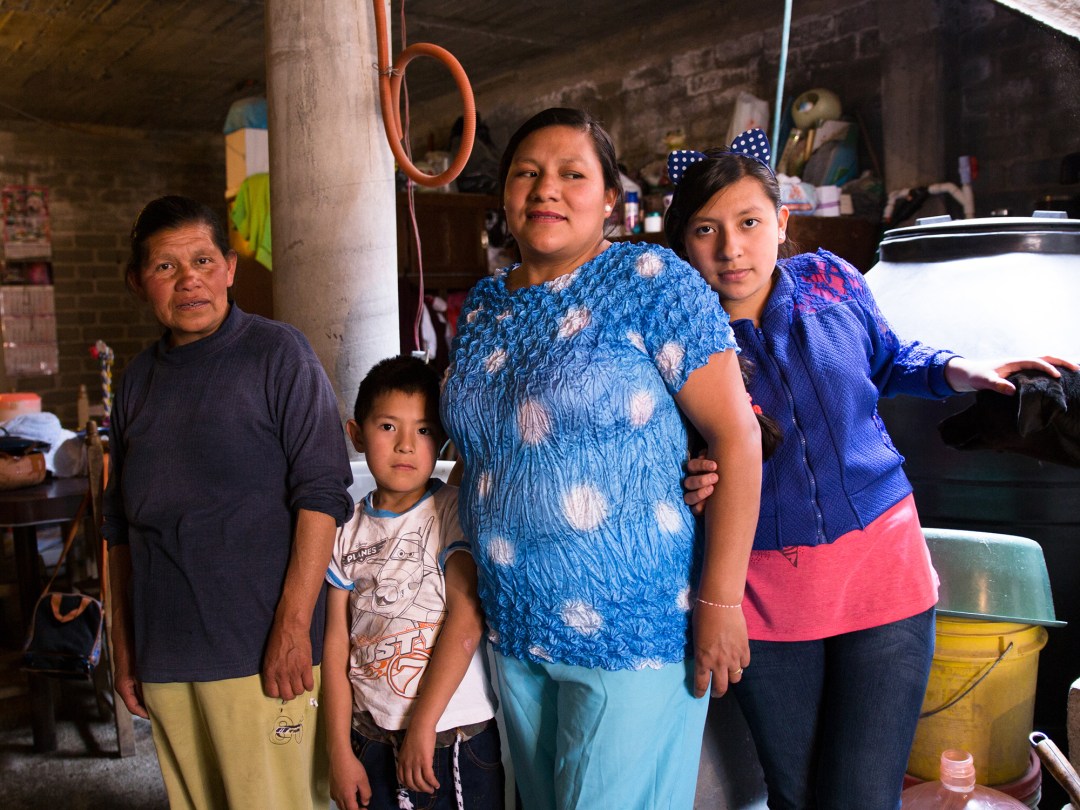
(997, 577)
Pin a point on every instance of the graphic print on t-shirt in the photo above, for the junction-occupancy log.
(395, 618)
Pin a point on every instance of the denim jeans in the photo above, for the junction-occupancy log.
(833, 720)
(479, 760)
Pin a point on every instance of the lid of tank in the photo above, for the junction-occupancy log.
(944, 239)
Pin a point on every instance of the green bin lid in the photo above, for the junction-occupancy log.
(999, 577)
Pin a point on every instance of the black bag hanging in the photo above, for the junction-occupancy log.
(65, 631)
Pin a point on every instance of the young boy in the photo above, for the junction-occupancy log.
(404, 713)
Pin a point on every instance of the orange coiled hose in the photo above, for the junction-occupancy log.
(390, 101)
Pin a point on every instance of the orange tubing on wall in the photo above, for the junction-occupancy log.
(390, 101)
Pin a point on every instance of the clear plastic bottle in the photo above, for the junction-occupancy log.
(957, 789)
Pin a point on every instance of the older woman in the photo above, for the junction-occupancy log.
(570, 377)
(229, 475)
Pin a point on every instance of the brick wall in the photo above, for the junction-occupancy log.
(1012, 94)
(1018, 109)
(98, 179)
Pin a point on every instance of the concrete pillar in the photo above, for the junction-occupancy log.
(332, 187)
(913, 107)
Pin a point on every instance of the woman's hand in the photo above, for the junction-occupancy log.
(125, 683)
(700, 482)
(721, 650)
(286, 671)
(963, 374)
(349, 786)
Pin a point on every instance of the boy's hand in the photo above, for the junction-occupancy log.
(349, 786)
(415, 768)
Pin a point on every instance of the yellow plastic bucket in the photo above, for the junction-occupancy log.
(980, 698)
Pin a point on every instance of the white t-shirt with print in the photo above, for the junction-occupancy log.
(393, 566)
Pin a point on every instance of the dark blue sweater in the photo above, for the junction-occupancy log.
(214, 447)
(823, 356)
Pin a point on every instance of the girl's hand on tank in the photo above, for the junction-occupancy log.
(721, 648)
(963, 374)
(699, 482)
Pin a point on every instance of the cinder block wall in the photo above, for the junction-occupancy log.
(98, 179)
(1016, 106)
(1010, 86)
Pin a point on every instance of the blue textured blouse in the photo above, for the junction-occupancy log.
(560, 400)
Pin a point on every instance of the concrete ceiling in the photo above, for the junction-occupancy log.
(179, 64)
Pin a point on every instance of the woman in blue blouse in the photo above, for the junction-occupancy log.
(569, 380)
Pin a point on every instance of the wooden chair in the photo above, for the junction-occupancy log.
(97, 470)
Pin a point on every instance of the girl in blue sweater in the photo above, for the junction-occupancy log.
(839, 589)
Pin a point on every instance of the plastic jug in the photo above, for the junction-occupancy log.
(956, 789)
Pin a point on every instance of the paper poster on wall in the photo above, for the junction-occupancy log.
(27, 230)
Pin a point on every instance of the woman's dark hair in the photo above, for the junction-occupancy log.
(167, 213)
(771, 435)
(566, 117)
(404, 374)
(706, 177)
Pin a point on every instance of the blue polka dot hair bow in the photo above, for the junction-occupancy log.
(753, 143)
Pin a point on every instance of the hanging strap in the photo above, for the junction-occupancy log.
(72, 531)
(56, 603)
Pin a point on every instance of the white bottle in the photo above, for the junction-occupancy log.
(82, 409)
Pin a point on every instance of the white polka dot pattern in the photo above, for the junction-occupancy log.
(753, 144)
(668, 518)
(585, 507)
(540, 652)
(649, 663)
(534, 423)
(649, 265)
(682, 601)
(642, 405)
(496, 360)
(574, 321)
(581, 617)
(669, 361)
(483, 484)
(501, 551)
(562, 282)
(636, 340)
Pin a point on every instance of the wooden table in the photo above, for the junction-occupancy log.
(55, 501)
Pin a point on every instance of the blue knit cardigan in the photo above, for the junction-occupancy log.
(823, 356)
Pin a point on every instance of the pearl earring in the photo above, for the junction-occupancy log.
(607, 209)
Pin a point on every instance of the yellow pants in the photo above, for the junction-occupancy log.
(224, 745)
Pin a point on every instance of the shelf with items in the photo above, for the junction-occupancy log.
(27, 304)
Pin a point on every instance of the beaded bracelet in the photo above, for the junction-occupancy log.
(718, 604)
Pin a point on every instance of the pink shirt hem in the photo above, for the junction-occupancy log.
(866, 578)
